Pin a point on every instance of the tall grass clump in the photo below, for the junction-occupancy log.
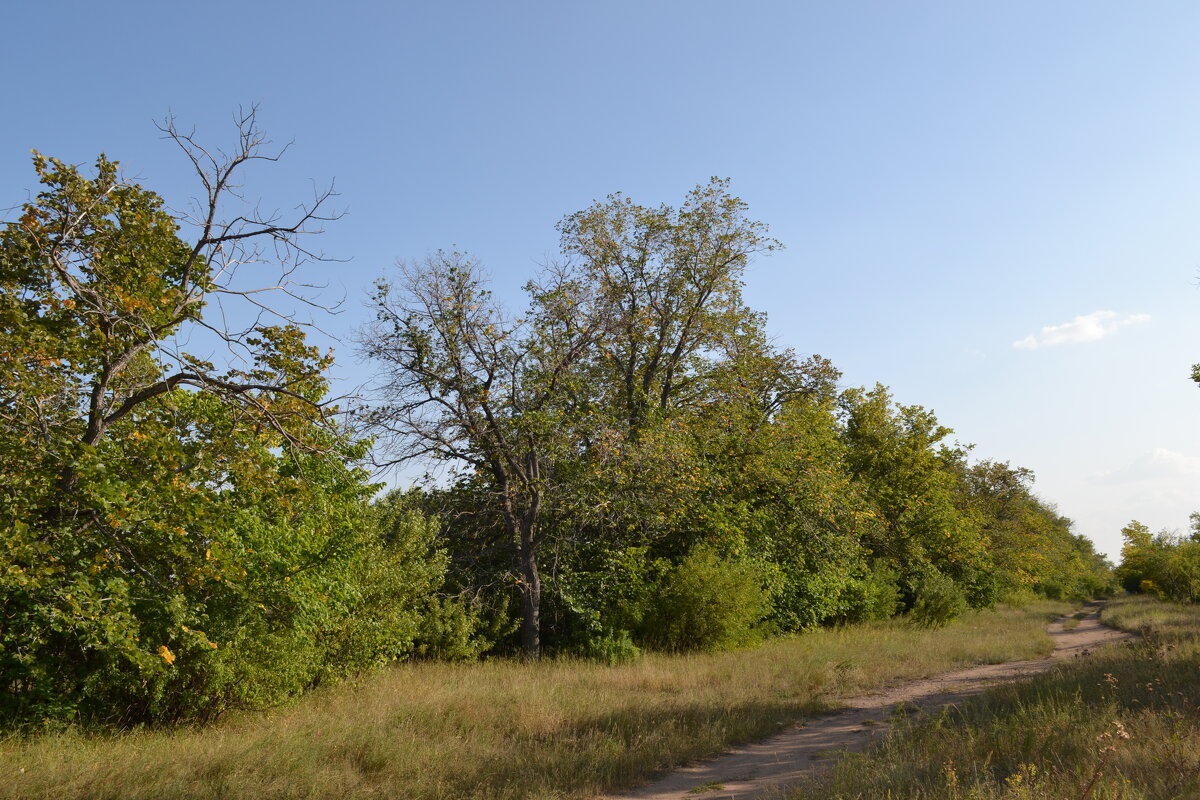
(503, 730)
(1120, 724)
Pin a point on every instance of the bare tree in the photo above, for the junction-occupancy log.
(462, 381)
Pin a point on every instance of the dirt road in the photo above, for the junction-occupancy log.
(766, 768)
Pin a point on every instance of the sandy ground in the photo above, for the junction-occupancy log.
(765, 769)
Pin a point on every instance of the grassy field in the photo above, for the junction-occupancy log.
(501, 729)
(1118, 725)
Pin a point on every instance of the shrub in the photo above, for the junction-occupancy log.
(706, 603)
(939, 600)
(874, 596)
(449, 631)
(613, 648)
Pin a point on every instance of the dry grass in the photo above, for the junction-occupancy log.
(500, 729)
(1122, 724)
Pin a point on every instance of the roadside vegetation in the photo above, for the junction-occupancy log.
(188, 522)
(559, 728)
(1121, 724)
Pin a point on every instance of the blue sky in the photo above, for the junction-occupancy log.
(949, 178)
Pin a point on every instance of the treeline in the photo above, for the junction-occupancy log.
(640, 466)
(1165, 564)
(705, 534)
(632, 463)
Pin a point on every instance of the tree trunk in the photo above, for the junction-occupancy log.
(531, 599)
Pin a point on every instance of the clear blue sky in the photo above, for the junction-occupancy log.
(949, 178)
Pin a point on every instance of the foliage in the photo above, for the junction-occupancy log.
(1030, 544)
(895, 453)
(939, 600)
(538, 410)
(706, 603)
(874, 596)
(1165, 564)
(637, 416)
(631, 462)
(612, 649)
(176, 539)
(461, 381)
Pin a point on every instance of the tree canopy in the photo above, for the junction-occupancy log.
(178, 536)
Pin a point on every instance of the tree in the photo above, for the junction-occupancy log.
(1165, 564)
(625, 327)
(462, 382)
(895, 453)
(99, 288)
(667, 283)
(173, 531)
(1030, 543)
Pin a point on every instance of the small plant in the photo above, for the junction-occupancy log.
(711, 786)
(1108, 742)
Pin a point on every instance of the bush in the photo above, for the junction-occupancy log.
(587, 609)
(612, 648)
(391, 583)
(1166, 565)
(706, 603)
(267, 607)
(874, 596)
(939, 600)
(449, 631)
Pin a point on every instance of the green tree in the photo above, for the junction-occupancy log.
(545, 411)
(176, 537)
(895, 453)
(1030, 543)
(1165, 564)
(1138, 556)
(667, 284)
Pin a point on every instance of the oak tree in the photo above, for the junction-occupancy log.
(176, 534)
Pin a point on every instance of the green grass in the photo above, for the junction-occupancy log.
(501, 729)
(1121, 724)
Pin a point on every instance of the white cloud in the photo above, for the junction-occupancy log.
(1085, 328)
(1159, 465)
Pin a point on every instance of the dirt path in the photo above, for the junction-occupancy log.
(766, 768)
